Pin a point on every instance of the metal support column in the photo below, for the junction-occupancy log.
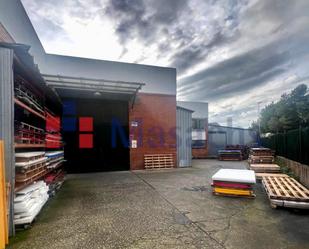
(7, 123)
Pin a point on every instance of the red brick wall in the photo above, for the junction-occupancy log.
(202, 152)
(155, 116)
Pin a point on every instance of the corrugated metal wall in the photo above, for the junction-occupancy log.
(7, 120)
(184, 137)
(220, 136)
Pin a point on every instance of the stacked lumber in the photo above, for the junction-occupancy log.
(286, 192)
(261, 155)
(265, 168)
(230, 155)
(261, 160)
(243, 148)
(29, 167)
(154, 161)
(28, 202)
(233, 153)
(234, 183)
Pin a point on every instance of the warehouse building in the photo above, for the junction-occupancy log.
(199, 127)
(221, 136)
(114, 116)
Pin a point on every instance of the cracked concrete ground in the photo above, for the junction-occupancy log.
(161, 209)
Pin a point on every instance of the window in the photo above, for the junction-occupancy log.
(197, 144)
(198, 138)
(198, 123)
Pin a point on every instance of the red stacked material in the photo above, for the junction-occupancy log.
(234, 183)
(231, 185)
(54, 181)
(53, 136)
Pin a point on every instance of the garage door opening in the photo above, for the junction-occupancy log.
(106, 103)
(105, 154)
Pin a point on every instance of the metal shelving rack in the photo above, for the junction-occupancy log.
(15, 62)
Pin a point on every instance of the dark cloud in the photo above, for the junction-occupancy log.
(221, 49)
(237, 74)
(195, 53)
(143, 19)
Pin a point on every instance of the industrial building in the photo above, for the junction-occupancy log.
(105, 115)
(221, 136)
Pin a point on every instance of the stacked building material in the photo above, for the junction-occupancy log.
(261, 155)
(259, 176)
(28, 202)
(54, 180)
(25, 95)
(54, 159)
(234, 182)
(233, 153)
(53, 137)
(286, 192)
(28, 134)
(229, 155)
(261, 160)
(265, 168)
(243, 148)
(29, 166)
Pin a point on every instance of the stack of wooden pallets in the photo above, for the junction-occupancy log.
(286, 192)
(261, 155)
(234, 183)
(28, 134)
(29, 167)
(261, 160)
(154, 161)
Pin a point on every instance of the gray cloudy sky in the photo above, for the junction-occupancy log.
(232, 54)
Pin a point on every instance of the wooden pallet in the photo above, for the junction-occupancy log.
(285, 188)
(21, 185)
(24, 177)
(259, 176)
(154, 161)
(231, 158)
(265, 168)
(30, 168)
(261, 159)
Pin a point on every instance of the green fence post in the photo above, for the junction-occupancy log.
(285, 144)
(300, 144)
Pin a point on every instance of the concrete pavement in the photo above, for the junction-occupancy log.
(171, 208)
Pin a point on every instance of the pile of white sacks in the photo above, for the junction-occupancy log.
(29, 201)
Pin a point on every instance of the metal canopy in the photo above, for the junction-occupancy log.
(92, 86)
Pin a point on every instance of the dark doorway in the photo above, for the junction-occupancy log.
(103, 156)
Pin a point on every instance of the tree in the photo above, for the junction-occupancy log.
(291, 111)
